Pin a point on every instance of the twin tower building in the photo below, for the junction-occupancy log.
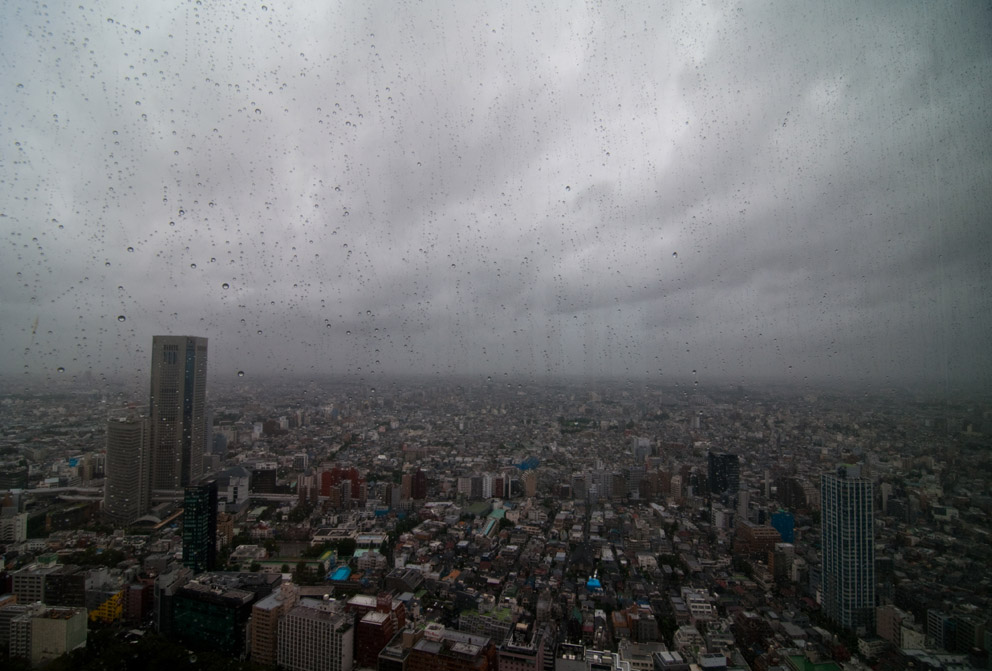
(163, 448)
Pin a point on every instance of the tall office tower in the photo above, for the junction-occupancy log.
(724, 472)
(200, 527)
(178, 410)
(848, 548)
(126, 493)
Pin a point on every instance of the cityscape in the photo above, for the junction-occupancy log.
(432, 524)
(475, 336)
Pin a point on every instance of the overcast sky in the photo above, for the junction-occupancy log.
(745, 190)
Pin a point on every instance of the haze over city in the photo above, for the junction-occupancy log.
(749, 191)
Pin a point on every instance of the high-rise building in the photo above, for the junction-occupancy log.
(724, 472)
(126, 489)
(848, 548)
(177, 410)
(200, 527)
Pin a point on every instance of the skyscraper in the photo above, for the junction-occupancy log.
(724, 473)
(200, 527)
(177, 410)
(126, 490)
(848, 548)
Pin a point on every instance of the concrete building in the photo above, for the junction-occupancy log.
(372, 634)
(126, 489)
(13, 523)
(530, 484)
(265, 616)
(523, 649)
(29, 583)
(756, 540)
(56, 631)
(443, 650)
(848, 548)
(316, 636)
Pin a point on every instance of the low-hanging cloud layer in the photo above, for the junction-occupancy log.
(789, 191)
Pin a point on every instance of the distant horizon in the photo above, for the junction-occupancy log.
(384, 384)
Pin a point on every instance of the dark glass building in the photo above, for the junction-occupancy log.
(200, 527)
(724, 474)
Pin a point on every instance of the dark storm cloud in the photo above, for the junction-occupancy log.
(744, 190)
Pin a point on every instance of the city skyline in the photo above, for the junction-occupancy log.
(502, 524)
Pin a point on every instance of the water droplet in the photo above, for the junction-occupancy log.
(568, 188)
(192, 265)
(258, 111)
(675, 255)
(60, 369)
(241, 373)
(259, 332)
(121, 318)
(225, 286)
(130, 249)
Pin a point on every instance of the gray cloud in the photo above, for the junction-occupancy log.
(742, 191)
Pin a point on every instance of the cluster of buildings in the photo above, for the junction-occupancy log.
(503, 526)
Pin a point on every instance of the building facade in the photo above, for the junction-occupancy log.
(316, 636)
(54, 632)
(126, 489)
(177, 410)
(265, 618)
(848, 548)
